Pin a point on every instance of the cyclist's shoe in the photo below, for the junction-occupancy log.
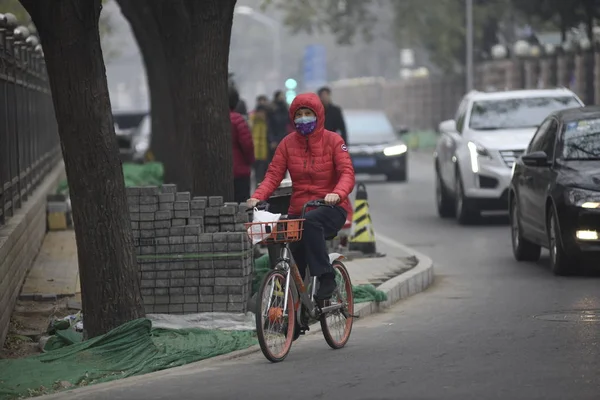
(327, 286)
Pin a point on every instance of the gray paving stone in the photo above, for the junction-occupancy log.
(197, 222)
(182, 214)
(181, 206)
(133, 191)
(161, 309)
(149, 191)
(198, 204)
(166, 207)
(163, 215)
(196, 213)
(212, 212)
(178, 222)
(166, 198)
(190, 308)
(148, 200)
(183, 196)
(215, 201)
(169, 188)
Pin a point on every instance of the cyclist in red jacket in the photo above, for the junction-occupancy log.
(320, 168)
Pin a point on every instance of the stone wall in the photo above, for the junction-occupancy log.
(194, 253)
(20, 241)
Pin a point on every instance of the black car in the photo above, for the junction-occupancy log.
(375, 146)
(554, 196)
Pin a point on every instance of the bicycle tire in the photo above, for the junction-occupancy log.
(325, 328)
(260, 322)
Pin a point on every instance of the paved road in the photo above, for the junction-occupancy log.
(471, 336)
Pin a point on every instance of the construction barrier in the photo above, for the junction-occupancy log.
(363, 238)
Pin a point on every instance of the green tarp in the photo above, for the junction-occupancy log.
(134, 348)
(148, 174)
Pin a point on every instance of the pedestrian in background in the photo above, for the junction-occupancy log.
(260, 137)
(243, 149)
(278, 122)
(334, 118)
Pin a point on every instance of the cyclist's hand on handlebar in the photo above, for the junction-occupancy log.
(252, 202)
(332, 199)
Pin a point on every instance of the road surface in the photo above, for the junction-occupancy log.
(473, 335)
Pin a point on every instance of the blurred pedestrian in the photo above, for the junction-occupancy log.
(243, 149)
(334, 118)
(261, 100)
(260, 137)
(278, 121)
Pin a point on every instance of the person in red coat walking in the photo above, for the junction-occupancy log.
(320, 168)
(243, 150)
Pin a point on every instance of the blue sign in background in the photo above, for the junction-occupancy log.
(315, 66)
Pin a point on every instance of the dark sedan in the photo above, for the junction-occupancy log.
(375, 146)
(554, 197)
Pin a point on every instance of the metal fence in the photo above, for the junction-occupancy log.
(29, 142)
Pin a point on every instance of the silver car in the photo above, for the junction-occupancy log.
(476, 151)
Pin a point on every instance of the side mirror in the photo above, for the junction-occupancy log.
(447, 126)
(536, 159)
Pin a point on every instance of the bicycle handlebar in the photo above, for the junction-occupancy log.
(264, 206)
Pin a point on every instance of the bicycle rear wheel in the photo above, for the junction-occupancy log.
(274, 324)
(335, 325)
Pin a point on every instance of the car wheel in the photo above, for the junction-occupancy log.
(466, 209)
(443, 199)
(523, 249)
(398, 176)
(561, 263)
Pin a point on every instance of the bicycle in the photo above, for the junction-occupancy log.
(283, 286)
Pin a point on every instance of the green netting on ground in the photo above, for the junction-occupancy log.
(148, 174)
(362, 293)
(134, 348)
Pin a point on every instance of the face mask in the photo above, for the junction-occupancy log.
(305, 125)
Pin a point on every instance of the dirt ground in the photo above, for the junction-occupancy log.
(30, 321)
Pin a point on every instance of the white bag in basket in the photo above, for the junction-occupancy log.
(258, 233)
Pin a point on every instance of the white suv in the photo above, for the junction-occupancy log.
(476, 151)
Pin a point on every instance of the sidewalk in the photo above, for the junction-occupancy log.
(52, 287)
(55, 272)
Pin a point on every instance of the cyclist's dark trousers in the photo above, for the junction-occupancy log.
(320, 223)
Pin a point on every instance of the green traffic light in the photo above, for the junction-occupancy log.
(291, 84)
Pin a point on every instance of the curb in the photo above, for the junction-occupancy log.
(405, 285)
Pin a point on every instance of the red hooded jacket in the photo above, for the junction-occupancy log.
(243, 146)
(319, 163)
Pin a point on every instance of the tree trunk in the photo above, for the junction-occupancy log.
(195, 37)
(144, 27)
(107, 265)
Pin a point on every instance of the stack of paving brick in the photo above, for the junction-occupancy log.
(194, 254)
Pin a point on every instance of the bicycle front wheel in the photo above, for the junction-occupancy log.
(337, 325)
(275, 322)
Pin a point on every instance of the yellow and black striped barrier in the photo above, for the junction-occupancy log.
(363, 237)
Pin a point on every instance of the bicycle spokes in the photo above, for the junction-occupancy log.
(275, 313)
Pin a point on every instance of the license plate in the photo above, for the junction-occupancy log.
(364, 162)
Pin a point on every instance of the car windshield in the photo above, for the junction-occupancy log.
(581, 140)
(516, 113)
(369, 128)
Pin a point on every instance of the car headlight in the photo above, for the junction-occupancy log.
(476, 151)
(395, 150)
(583, 198)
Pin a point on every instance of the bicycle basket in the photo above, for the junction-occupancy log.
(282, 231)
